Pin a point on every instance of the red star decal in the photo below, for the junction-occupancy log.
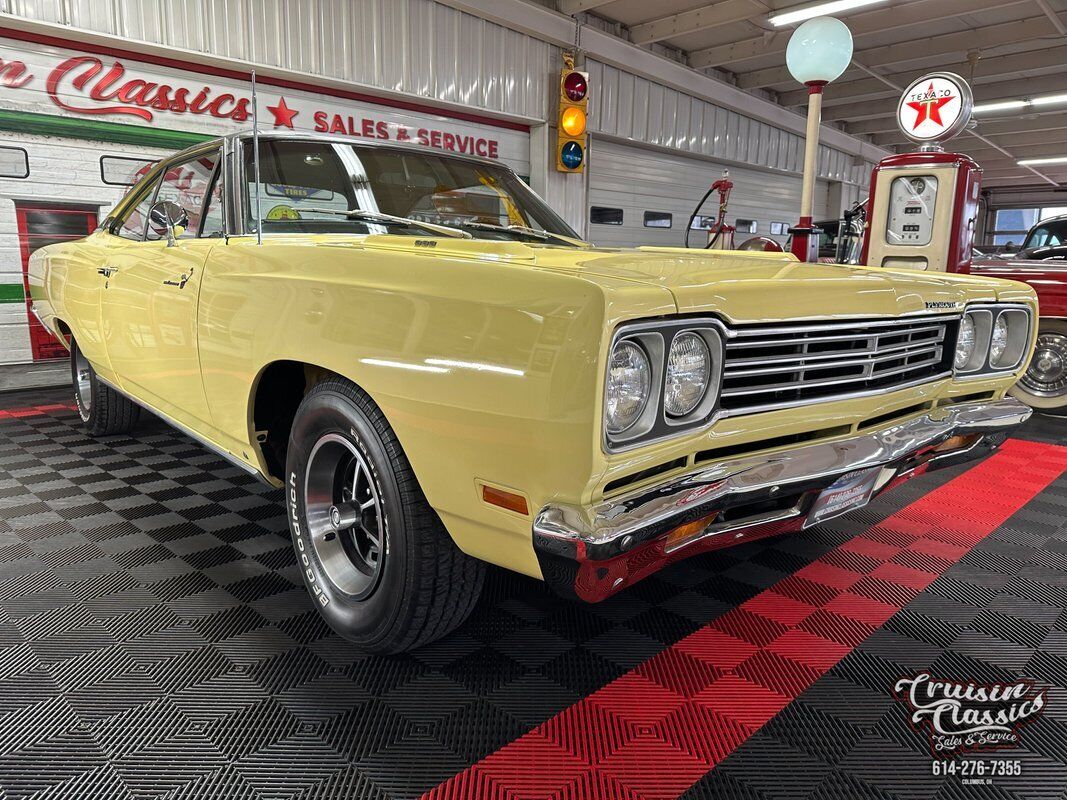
(283, 115)
(929, 108)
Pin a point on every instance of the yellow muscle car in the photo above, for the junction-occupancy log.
(439, 373)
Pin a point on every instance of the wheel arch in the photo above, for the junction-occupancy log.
(276, 394)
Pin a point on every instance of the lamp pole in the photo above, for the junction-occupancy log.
(805, 235)
(817, 53)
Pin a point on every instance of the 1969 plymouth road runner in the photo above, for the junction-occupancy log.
(441, 374)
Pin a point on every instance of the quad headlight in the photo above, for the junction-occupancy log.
(965, 343)
(629, 386)
(991, 339)
(662, 380)
(688, 372)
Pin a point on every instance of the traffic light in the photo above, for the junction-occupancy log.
(571, 136)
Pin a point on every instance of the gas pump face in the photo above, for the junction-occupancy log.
(912, 201)
(922, 212)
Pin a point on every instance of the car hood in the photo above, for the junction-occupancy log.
(738, 286)
(747, 287)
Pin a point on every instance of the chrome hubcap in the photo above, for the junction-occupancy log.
(344, 516)
(1047, 374)
(82, 383)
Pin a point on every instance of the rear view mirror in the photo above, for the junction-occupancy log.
(167, 218)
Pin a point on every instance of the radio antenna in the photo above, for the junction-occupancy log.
(255, 159)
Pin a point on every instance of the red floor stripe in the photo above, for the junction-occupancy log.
(661, 727)
(34, 411)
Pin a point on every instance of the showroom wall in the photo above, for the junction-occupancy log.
(417, 64)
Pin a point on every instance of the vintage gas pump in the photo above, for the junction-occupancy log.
(923, 206)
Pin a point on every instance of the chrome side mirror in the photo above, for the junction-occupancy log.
(167, 218)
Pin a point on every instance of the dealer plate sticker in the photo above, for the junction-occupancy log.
(852, 490)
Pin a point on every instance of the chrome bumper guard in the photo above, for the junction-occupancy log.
(616, 526)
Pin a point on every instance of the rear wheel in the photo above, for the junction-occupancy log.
(380, 566)
(103, 410)
(1044, 384)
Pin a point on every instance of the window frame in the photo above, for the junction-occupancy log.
(622, 215)
(25, 159)
(668, 216)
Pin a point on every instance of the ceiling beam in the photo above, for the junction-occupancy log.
(715, 15)
(861, 24)
(959, 42)
(572, 7)
(1053, 17)
(1017, 139)
(989, 70)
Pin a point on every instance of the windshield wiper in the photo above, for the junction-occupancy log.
(389, 219)
(522, 230)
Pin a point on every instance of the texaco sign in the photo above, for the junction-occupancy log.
(935, 108)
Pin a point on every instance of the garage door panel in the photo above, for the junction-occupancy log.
(638, 180)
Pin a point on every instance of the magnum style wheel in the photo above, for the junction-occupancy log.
(380, 567)
(1044, 384)
(103, 410)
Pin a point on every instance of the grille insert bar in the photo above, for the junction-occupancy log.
(782, 366)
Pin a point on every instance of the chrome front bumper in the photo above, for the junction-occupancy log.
(584, 549)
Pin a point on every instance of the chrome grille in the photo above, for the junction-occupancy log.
(789, 365)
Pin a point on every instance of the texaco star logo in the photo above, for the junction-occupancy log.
(929, 107)
(935, 107)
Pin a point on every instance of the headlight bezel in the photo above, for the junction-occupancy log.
(656, 338)
(1020, 322)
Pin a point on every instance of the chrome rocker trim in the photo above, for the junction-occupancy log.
(613, 528)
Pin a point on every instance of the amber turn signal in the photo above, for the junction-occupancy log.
(684, 533)
(505, 499)
(956, 443)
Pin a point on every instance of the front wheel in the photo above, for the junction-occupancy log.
(1044, 384)
(379, 564)
(103, 410)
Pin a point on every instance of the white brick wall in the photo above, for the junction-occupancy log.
(61, 171)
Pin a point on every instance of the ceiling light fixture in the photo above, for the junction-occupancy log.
(1049, 99)
(1001, 105)
(1034, 162)
(820, 10)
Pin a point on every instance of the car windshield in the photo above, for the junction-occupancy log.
(307, 186)
(1047, 234)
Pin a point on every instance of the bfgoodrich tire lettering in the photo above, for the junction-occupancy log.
(424, 585)
(103, 410)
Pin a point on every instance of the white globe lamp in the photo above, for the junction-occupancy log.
(819, 51)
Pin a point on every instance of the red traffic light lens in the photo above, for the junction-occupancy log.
(574, 86)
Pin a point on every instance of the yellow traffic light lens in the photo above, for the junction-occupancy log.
(572, 121)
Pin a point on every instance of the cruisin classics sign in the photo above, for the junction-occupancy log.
(42, 79)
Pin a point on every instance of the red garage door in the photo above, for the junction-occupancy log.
(41, 225)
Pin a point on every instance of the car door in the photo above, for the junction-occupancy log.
(150, 305)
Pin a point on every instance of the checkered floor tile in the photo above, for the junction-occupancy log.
(155, 641)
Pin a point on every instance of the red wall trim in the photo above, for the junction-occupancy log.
(203, 69)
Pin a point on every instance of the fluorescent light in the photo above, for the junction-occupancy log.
(1049, 99)
(1034, 162)
(1001, 105)
(820, 10)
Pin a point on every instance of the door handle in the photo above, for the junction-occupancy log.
(180, 283)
